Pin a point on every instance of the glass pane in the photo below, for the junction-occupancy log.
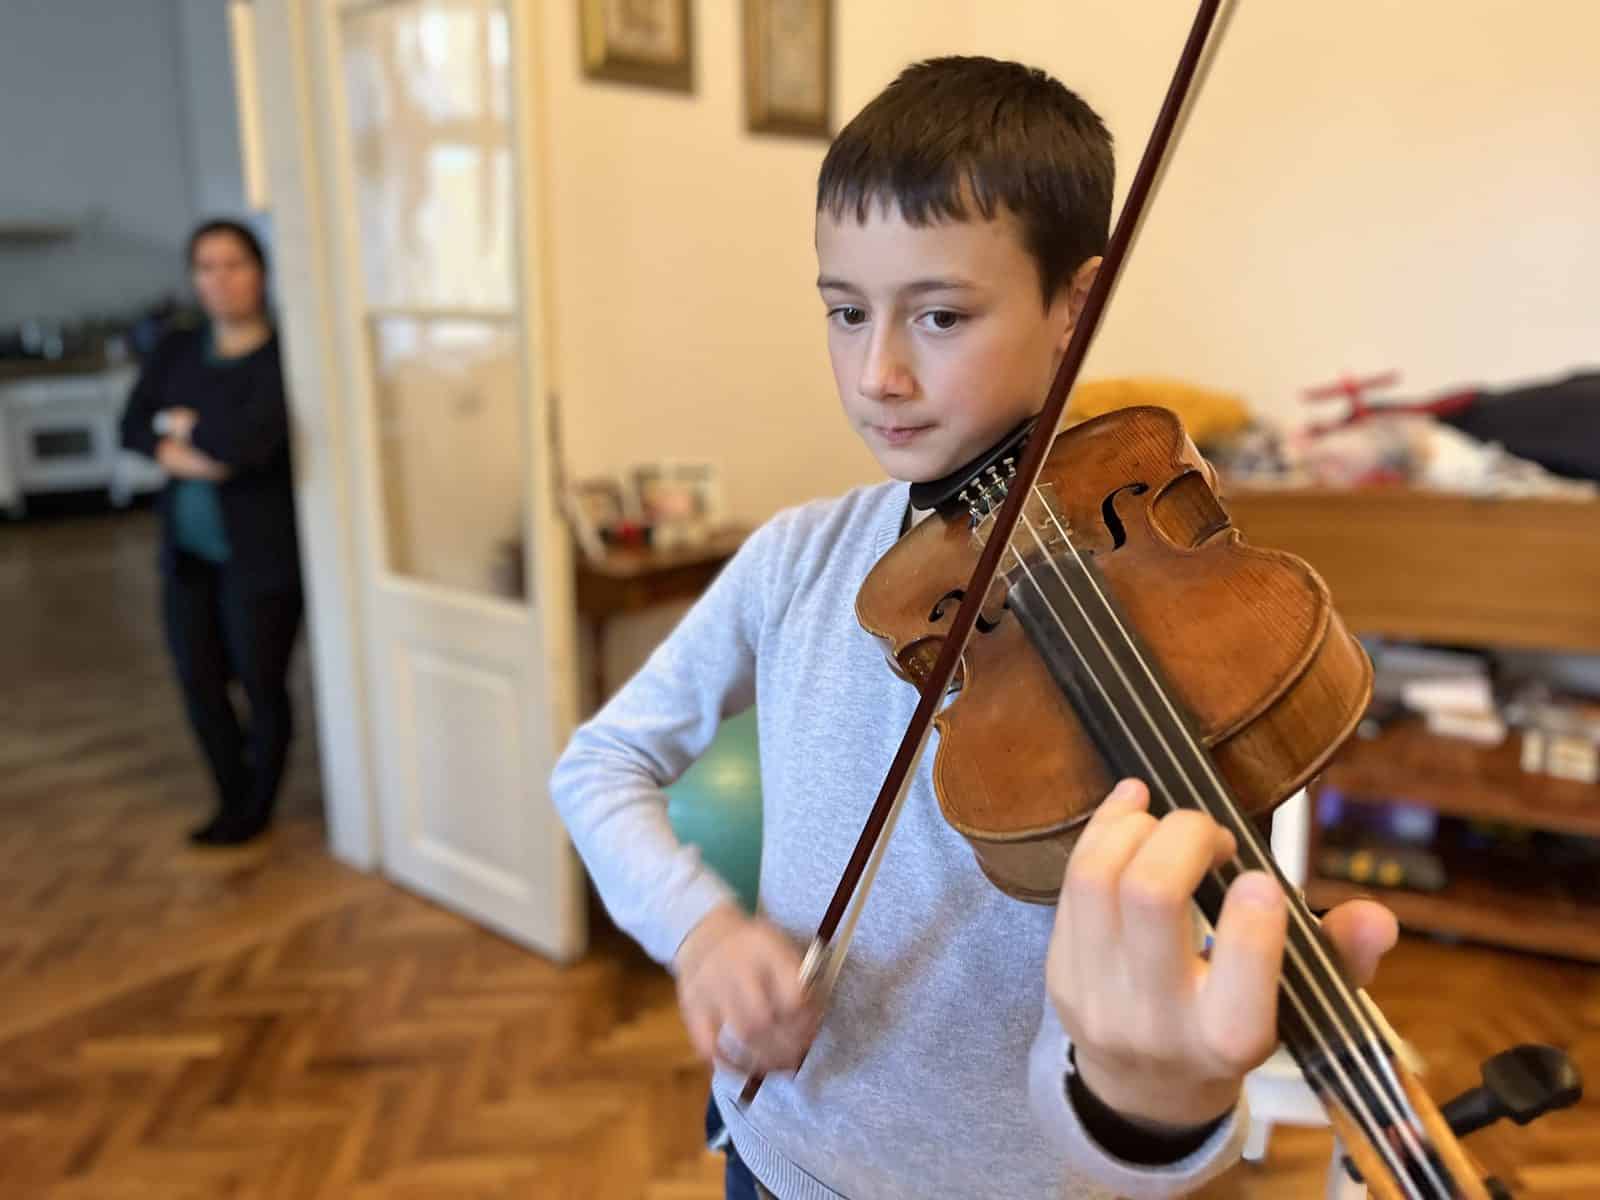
(428, 86)
(450, 444)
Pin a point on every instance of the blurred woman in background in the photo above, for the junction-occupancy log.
(209, 408)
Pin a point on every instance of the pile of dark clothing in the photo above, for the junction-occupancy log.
(1556, 425)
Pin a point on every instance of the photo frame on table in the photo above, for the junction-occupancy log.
(646, 42)
(594, 507)
(681, 502)
(788, 67)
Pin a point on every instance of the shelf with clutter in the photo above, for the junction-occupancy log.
(1460, 539)
(1469, 802)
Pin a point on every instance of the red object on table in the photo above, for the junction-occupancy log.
(1354, 389)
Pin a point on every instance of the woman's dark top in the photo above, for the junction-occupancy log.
(242, 422)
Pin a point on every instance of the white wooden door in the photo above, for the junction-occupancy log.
(434, 228)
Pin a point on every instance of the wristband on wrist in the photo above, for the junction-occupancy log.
(1122, 1138)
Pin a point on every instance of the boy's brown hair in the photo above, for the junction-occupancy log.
(998, 133)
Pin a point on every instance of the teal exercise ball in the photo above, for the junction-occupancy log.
(716, 806)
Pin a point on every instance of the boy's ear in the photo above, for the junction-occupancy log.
(1078, 290)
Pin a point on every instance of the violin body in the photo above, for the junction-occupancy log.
(1246, 638)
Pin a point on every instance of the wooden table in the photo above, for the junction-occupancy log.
(1404, 563)
(632, 580)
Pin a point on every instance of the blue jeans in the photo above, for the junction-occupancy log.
(737, 1181)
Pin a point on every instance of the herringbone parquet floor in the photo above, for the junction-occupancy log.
(265, 1023)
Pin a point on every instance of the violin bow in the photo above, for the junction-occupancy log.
(825, 954)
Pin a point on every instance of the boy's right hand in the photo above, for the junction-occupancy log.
(740, 995)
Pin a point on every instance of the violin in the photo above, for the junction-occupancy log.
(1139, 631)
(1080, 608)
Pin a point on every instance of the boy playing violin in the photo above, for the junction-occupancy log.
(973, 1045)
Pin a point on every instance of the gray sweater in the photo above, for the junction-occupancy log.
(940, 1068)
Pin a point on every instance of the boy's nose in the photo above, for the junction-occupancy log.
(884, 374)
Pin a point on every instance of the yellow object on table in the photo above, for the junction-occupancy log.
(1208, 415)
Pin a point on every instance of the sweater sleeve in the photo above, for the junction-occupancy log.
(146, 398)
(607, 784)
(1049, 1065)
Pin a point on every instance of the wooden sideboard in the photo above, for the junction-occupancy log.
(1431, 567)
(1492, 573)
(631, 580)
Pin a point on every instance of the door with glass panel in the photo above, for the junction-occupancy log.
(433, 103)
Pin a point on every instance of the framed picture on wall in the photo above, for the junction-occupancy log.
(788, 66)
(638, 41)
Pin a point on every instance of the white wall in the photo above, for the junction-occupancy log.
(210, 110)
(1392, 184)
(1386, 183)
(689, 325)
(90, 125)
(118, 118)
(684, 275)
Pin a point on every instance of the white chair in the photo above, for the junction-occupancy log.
(1276, 1091)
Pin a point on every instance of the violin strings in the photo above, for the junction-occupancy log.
(1199, 755)
(1171, 754)
(1203, 759)
(1301, 917)
(1294, 997)
(1297, 912)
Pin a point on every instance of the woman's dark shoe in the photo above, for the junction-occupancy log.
(231, 829)
(201, 835)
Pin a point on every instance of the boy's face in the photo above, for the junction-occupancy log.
(939, 342)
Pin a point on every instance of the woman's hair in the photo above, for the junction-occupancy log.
(242, 233)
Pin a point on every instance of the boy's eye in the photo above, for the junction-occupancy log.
(942, 319)
(847, 314)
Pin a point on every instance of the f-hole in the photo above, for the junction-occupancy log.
(1108, 512)
(958, 594)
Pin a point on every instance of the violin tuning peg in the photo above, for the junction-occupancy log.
(1521, 1083)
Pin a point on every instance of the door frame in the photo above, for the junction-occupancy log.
(326, 400)
(324, 435)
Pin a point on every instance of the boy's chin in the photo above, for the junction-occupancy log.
(905, 474)
(912, 468)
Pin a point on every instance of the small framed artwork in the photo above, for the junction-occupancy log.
(595, 507)
(680, 501)
(788, 66)
(638, 41)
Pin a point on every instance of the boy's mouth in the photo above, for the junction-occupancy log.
(899, 435)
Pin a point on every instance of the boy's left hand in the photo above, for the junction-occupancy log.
(1161, 1035)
